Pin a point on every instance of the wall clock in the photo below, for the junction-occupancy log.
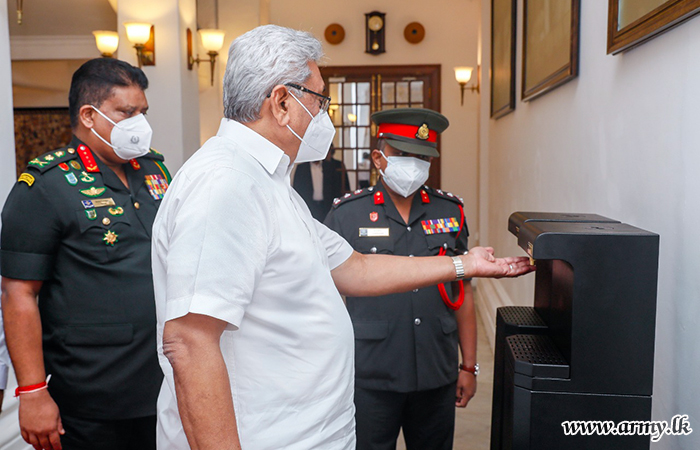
(374, 32)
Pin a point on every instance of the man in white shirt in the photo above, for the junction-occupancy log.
(254, 338)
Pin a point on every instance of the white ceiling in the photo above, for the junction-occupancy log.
(62, 17)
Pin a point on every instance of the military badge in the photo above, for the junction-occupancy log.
(71, 150)
(76, 165)
(72, 180)
(26, 178)
(157, 186)
(97, 203)
(135, 164)
(374, 232)
(110, 238)
(373, 216)
(36, 162)
(378, 198)
(93, 191)
(64, 167)
(423, 132)
(118, 211)
(49, 158)
(91, 214)
(100, 202)
(86, 177)
(424, 197)
(437, 226)
(87, 159)
(59, 154)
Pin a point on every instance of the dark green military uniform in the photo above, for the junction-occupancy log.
(403, 342)
(71, 223)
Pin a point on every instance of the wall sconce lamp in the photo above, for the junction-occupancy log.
(107, 42)
(142, 35)
(212, 41)
(463, 75)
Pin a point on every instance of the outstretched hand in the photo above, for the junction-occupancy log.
(480, 262)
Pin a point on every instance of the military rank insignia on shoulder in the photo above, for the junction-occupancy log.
(443, 194)
(52, 159)
(359, 193)
(26, 178)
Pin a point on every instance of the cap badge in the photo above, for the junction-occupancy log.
(423, 132)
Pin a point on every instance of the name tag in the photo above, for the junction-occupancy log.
(374, 232)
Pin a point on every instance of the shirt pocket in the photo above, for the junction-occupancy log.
(383, 245)
(106, 236)
(446, 241)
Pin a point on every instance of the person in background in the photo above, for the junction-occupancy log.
(320, 182)
(407, 370)
(254, 338)
(77, 289)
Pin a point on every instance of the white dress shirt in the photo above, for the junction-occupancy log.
(234, 241)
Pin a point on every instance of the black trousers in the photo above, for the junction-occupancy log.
(426, 417)
(95, 434)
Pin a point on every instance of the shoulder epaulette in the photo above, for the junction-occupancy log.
(52, 159)
(153, 154)
(352, 196)
(442, 194)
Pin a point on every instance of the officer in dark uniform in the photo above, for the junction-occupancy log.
(77, 234)
(406, 345)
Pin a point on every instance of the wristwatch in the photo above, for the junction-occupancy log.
(473, 370)
(459, 267)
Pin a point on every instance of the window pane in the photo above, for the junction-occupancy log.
(363, 137)
(363, 92)
(336, 116)
(334, 92)
(363, 117)
(402, 92)
(417, 92)
(338, 138)
(387, 92)
(349, 93)
(350, 137)
(349, 159)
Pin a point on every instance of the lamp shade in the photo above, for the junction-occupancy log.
(212, 39)
(463, 74)
(106, 41)
(138, 32)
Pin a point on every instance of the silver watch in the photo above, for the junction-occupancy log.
(459, 267)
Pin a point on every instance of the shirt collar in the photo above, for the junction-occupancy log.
(265, 152)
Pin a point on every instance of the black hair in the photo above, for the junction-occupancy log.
(94, 81)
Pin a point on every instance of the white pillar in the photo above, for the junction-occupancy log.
(173, 89)
(7, 127)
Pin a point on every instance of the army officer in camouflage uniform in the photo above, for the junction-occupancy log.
(406, 345)
(77, 290)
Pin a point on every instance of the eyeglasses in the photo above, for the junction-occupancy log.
(323, 101)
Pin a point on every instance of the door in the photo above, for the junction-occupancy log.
(358, 91)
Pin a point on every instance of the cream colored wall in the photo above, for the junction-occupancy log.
(451, 40)
(621, 140)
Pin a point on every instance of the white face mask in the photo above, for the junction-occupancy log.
(405, 174)
(317, 137)
(131, 138)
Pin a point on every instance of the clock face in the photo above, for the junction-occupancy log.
(375, 23)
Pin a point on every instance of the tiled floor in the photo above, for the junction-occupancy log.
(473, 423)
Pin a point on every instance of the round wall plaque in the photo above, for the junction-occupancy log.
(414, 32)
(334, 34)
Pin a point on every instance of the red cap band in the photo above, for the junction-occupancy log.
(409, 131)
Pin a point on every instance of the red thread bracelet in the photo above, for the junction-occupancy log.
(32, 388)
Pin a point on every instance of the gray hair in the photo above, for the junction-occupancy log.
(261, 59)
